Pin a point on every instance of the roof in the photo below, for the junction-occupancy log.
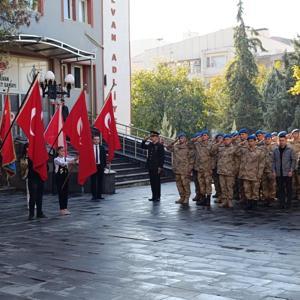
(50, 48)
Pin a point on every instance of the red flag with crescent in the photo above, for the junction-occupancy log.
(30, 119)
(106, 124)
(77, 128)
(53, 129)
(8, 149)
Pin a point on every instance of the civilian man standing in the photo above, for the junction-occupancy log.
(97, 178)
(284, 164)
(155, 162)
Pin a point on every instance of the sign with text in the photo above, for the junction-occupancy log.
(117, 56)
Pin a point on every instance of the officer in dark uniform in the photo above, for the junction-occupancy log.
(155, 162)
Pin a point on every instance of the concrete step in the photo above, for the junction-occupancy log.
(132, 176)
(127, 170)
(124, 165)
(131, 183)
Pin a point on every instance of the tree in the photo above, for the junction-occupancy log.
(14, 14)
(167, 91)
(295, 90)
(282, 108)
(245, 100)
(218, 104)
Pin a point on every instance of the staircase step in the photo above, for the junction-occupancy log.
(124, 165)
(132, 176)
(127, 170)
(130, 183)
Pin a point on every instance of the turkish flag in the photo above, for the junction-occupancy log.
(77, 128)
(8, 149)
(30, 119)
(53, 129)
(106, 124)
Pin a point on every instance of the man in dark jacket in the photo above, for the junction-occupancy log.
(155, 162)
(97, 178)
(284, 164)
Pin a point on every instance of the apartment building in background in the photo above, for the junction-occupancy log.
(207, 55)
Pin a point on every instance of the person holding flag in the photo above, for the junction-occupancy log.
(8, 153)
(30, 119)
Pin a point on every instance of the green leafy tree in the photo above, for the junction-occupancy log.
(167, 91)
(282, 108)
(14, 14)
(244, 96)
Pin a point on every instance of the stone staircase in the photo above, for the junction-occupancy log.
(131, 172)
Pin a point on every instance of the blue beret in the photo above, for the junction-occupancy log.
(195, 135)
(234, 133)
(274, 133)
(282, 134)
(251, 137)
(259, 132)
(295, 130)
(243, 130)
(205, 132)
(227, 136)
(219, 134)
(268, 136)
(180, 134)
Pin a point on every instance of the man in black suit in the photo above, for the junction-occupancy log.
(64, 110)
(155, 162)
(97, 178)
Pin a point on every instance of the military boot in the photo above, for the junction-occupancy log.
(201, 201)
(180, 200)
(207, 202)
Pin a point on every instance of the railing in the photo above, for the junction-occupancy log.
(131, 140)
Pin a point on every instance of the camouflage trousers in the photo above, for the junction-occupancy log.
(216, 179)
(296, 185)
(226, 185)
(251, 189)
(197, 188)
(205, 182)
(268, 186)
(183, 186)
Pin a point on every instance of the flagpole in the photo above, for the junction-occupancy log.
(18, 112)
(106, 99)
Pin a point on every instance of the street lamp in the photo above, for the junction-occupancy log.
(52, 89)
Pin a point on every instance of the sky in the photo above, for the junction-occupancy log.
(170, 19)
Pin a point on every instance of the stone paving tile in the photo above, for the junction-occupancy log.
(128, 248)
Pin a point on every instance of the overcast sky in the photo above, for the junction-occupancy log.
(169, 19)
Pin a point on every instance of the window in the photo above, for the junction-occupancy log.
(196, 66)
(216, 62)
(78, 77)
(82, 12)
(67, 9)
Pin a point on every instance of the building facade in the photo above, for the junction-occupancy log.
(206, 56)
(67, 39)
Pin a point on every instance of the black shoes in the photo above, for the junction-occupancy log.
(41, 216)
(154, 200)
(30, 218)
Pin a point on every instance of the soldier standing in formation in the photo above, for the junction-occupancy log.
(203, 165)
(183, 162)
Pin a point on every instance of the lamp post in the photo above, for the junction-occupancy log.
(52, 90)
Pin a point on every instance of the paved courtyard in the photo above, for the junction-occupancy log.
(126, 247)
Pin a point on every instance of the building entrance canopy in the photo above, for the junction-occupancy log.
(50, 48)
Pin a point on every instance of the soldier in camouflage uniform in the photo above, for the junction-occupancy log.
(260, 135)
(203, 165)
(183, 161)
(218, 139)
(195, 173)
(295, 144)
(251, 170)
(226, 153)
(268, 184)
